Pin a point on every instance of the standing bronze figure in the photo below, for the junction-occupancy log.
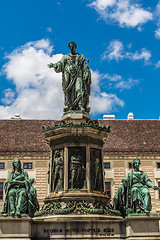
(57, 171)
(76, 80)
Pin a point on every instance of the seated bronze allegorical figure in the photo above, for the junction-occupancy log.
(133, 197)
(19, 193)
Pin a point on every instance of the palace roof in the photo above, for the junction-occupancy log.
(127, 137)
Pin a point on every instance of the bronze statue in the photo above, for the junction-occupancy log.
(98, 177)
(96, 171)
(76, 80)
(18, 197)
(33, 201)
(133, 197)
(57, 171)
(77, 171)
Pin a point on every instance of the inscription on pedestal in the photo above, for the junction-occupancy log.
(95, 231)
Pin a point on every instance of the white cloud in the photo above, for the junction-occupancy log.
(157, 33)
(9, 95)
(49, 29)
(157, 65)
(38, 91)
(102, 4)
(38, 88)
(156, 15)
(102, 102)
(127, 13)
(105, 103)
(116, 51)
(113, 78)
(143, 55)
(116, 81)
(122, 85)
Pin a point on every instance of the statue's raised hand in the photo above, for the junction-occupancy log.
(155, 187)
(51, 65)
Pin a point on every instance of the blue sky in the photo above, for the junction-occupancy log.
(121, 38)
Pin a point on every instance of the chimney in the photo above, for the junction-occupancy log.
(108, 117)
(130, 116)
(17, 116)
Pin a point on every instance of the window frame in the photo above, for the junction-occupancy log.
(106, 163)
(3, 165)
(28, 163)
(158, 190)
(157, 165)
(2, 181)
(110, 191)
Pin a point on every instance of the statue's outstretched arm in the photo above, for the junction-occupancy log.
(51, 65)
(151, 185)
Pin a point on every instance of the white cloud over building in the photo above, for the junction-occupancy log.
(38, 91)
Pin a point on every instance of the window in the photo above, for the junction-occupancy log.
(159, 190)
(158, 164)
(1, 190)
(27, 165)
(1, 165)
(108, 189)
(130, 165)
(107, 165)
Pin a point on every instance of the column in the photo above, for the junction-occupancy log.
(88, 169)
(65, 168)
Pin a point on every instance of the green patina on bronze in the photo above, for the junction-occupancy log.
(57, 175)
(133, 197)
(63, 124)
(96, 170)
(77, 170)
(77, 207)
(20, 195)
(77, 139)
(76, 80)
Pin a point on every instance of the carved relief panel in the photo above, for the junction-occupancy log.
(96, 170)
(77, 167)
(57, 170)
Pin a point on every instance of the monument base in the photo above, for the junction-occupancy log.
(76, 117)
(14, 228)
(142, 227)
(78, 227)
(71, 227)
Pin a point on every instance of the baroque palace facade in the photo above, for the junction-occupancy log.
(128, 139)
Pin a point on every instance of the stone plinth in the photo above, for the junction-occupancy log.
(87, 227)
(78, 227)
(15, 228)
(76, 118)
(142, 227)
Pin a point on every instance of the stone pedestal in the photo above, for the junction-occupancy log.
(76, 166)
(97, 227)
(78, 227)
(15, 228)
(76, 118)
(142, 227)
